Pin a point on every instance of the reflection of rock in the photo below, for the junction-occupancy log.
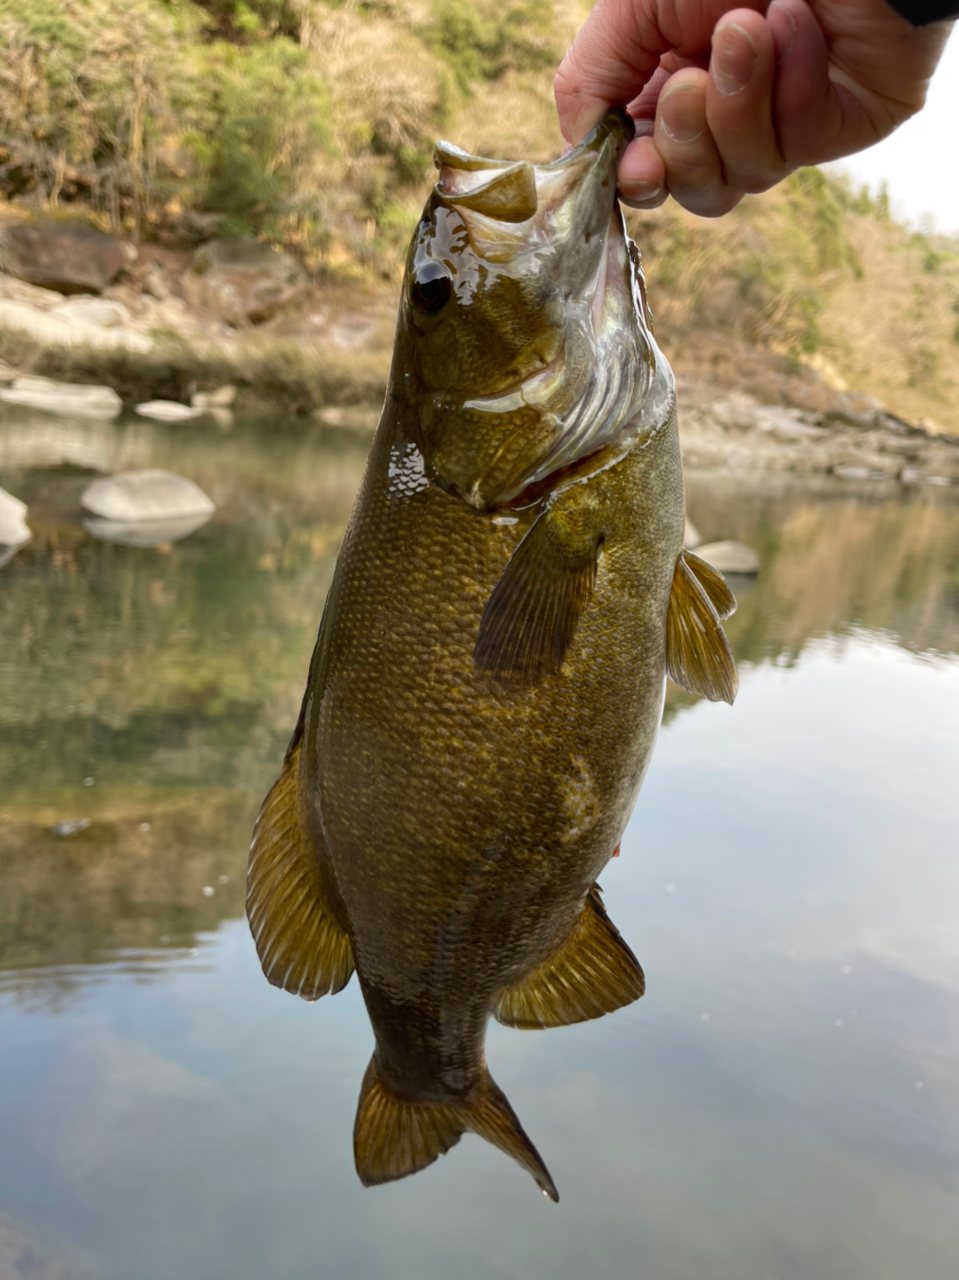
(146, 496)
(65, 256)
(95, 311)
(25, 1254)
(145, 533)
(167, 410)
(14, 529)
(729, 557)
(691, 535)
(63, 397)
(242, 281)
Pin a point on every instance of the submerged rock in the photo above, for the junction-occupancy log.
(66, 256)
(146, 495)
(729, 557)
(242, 281)
(70, 826)
(167, 410)
(14, 530)
(63, 397)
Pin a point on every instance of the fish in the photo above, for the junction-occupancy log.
(488, 677)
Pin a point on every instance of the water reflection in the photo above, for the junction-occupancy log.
(788, 882)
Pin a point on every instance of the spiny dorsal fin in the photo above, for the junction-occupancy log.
(592, 973)
(530, 617)
(697, 652)
(300, 945)
(395, 1136)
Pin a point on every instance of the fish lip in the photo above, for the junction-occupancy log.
(616, 124)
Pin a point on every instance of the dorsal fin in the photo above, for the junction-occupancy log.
(698, 655)
(301, 946)
(592, 973)
(395, 1136)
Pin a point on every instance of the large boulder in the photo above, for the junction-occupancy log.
(66, 256)
(70, 399)
(146, 495)
(241, 281)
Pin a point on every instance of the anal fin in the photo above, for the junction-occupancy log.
(698, 655)
(592, 973)
(301, 946)
(395, 1136)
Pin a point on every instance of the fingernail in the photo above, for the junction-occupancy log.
(640, 191)
(682, 114)
(733, 58)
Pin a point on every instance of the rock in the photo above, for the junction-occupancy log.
(66, 256)
(95, 311)
(63, 397)
(156, 282)
(691, 535)
(145, 533)
(222, 398)
(167, 410)
(146, 495)
(70, 826)
(729, 557)
(14, 530)
(241, 281)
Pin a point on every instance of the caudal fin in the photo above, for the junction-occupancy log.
(396, 1136)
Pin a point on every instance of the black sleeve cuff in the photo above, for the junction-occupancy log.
(921, 12)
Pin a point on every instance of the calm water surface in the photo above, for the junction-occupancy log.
(782, 1105)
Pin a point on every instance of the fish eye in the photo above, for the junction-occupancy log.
(430, 288)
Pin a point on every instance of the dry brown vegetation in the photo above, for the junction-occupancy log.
(311, 122)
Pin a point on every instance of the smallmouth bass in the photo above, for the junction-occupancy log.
(489, 673)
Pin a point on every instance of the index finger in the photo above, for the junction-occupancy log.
(619, 47)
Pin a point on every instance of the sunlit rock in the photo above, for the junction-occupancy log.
(167, 410)
(95, 311)
(691, 535)
(14, 530)
(146, 496)
(63, 397)
(729, 557)
(222, 398)
(242, 281)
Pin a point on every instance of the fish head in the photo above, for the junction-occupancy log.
(524, 335)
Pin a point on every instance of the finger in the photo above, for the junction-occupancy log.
(642, 175)
(694, 170)
(618, 48)
(806, 107)
(739, 102)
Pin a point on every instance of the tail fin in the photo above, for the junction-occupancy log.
(396, 1136)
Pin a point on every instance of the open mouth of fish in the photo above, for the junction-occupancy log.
(595, 392)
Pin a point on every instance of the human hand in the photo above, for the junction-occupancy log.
(730, 100)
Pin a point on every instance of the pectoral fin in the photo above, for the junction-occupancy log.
(592, 973)
(697, 652)
(301, 946)
(531, 615)
(395, 1136)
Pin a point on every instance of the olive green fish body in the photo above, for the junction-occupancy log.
(488, 677)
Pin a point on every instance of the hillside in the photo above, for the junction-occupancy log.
(310, 125)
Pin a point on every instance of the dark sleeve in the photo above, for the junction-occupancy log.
(921, 12)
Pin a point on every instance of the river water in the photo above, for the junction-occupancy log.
(782, 1105)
